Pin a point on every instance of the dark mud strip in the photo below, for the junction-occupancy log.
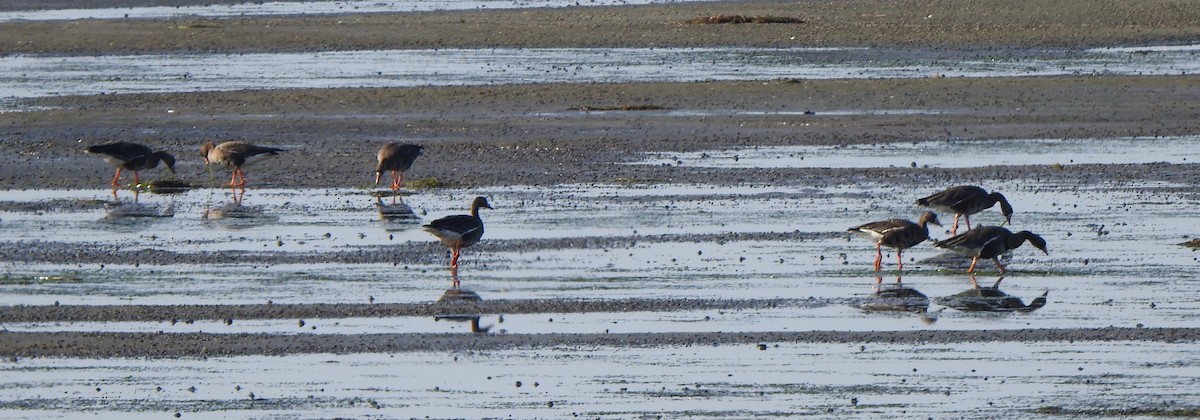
(152, 313)
(406, 253)
(15, 345)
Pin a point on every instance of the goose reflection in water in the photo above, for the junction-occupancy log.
(237, 216)
(395, 212)
(460, 300)
(134, 209)
(472, 319)
(896, 297)
(990, 299)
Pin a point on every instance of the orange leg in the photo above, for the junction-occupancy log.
(454, 277)
(116, 178)
(973, 262)
(239, 178)
(397, 180)
(997, 261)
(968, 218)
(878, 256)
(137, 178)
(454, 257)
(954, 230)
(899, 260)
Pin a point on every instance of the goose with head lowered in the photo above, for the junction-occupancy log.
(965, 200)
(132, 156)
(896, 233)
(235, 154)
(990, 242)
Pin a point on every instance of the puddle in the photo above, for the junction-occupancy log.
(947, 154)
(1114, 261)
(304, 8)
(24, 76)
(985, 380)
(614, 242)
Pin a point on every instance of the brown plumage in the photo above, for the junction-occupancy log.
(990, 242)
(397, 158)
(965, 200)
(459, 231)
(133, 157)
(896, 233)
(235, 154)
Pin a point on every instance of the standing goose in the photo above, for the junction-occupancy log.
(397, 158)
(132, 156)
(459, 231)
(896, 233)
(990, 242)
(236, 154)
(965, 200)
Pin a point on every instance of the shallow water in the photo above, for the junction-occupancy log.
(1129, 272)
(1114, 261)
(1133, 265)
(878, 381)
(23, 76)
(947, 153)
(303, 8)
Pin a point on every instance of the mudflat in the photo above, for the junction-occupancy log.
(487, 135)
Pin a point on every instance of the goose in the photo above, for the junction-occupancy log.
(459, 231)
(990, 242)
(131, 156)
(896, 233)
(965, 200)
(236, 154)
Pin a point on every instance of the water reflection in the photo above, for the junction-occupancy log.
(459, 300)
(119, 209)
(236, 216)
(895, 297)
(398, 211)
(472, 319)
(990, 299)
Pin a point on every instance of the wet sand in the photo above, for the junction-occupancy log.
(486, 136)
(101, 345)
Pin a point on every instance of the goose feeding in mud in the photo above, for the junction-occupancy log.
(896, 233)
(236, 154)
(990, 242)
(397, 158)
(965, 200)
(132, 156)
(459, 231)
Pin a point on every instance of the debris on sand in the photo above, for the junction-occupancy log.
(715, 19)
(586, 108)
